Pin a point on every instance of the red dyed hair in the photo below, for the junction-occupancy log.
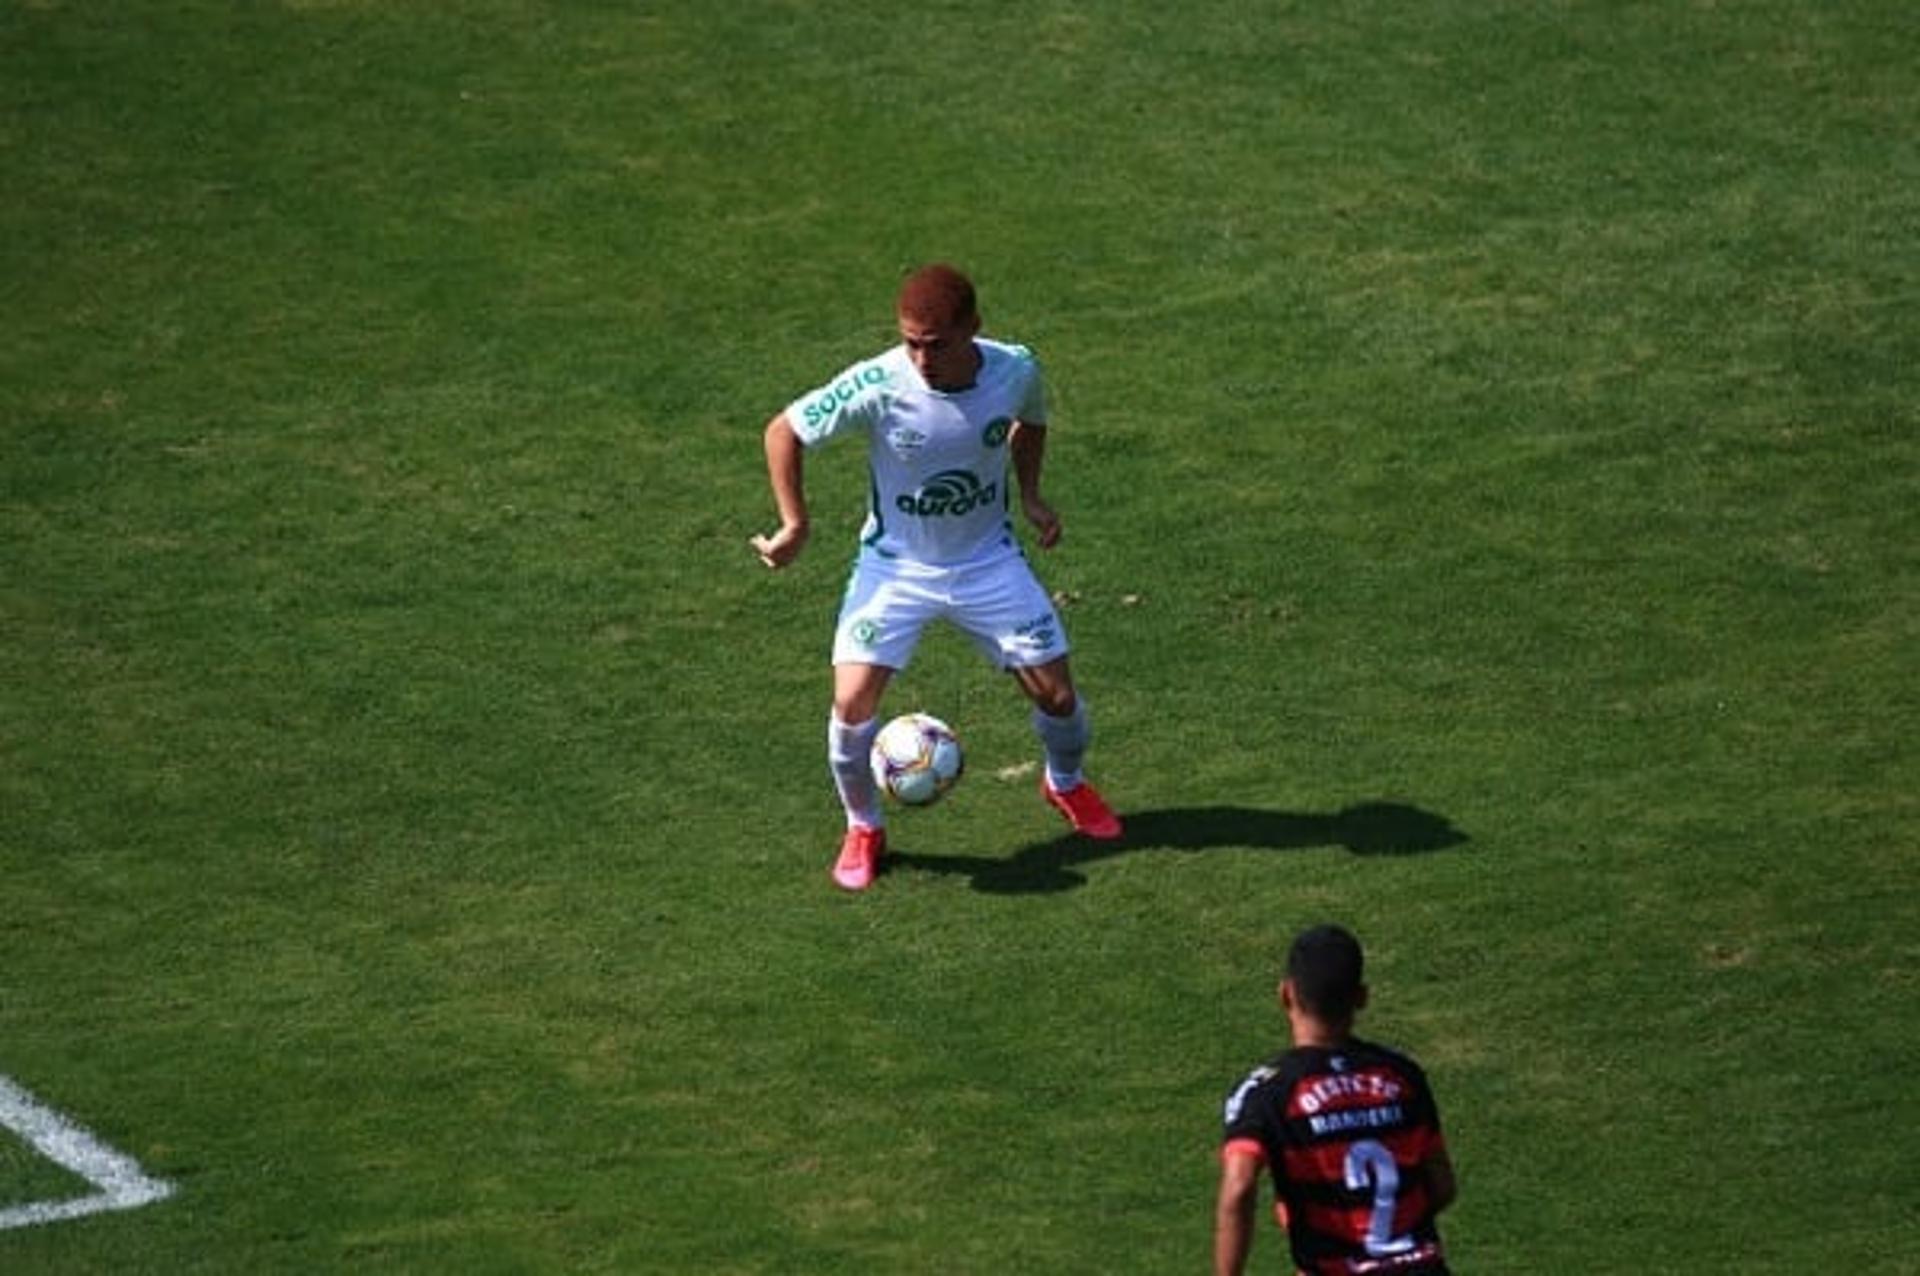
(937, 294)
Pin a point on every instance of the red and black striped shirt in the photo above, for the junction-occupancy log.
(1345, 1134)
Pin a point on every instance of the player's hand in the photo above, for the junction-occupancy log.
(781, 548)
(1044, 520)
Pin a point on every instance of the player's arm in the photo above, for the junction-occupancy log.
(1442, 1187)
(1028, 446)
(1233, 1210)
(786, 470)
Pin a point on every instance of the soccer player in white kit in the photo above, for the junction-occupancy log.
(954, 424)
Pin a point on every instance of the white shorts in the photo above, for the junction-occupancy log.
(999, 604)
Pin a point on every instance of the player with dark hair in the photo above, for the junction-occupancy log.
(1348, 1129)
(946, 414)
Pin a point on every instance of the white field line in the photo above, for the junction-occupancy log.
(122, 1183)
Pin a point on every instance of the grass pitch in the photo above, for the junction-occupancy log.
(1486, 440)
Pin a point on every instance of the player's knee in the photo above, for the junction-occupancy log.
(1054, 699)
(855, 711)
(857, 690)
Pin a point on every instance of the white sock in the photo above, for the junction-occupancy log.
(849, 750)
(1065, 741)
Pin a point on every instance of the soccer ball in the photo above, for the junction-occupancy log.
(916, 759)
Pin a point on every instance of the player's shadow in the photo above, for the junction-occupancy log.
(1367, 828)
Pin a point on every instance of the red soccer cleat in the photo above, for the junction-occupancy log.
(860, 854)
(1085, 809)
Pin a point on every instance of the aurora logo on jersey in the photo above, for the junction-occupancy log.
(841, 393)
(996, 432)
(950, 493)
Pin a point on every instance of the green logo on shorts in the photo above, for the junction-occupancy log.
(865, 632)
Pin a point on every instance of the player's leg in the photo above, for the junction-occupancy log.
(1060, 720)
(1009, 614)
(880, 623)
(857, 689)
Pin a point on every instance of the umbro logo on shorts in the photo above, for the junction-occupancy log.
(1038, 634)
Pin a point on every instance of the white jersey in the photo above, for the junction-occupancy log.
(938, 459)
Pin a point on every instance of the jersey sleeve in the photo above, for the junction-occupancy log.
(855, 399)
(1033, 403)
(1242, 1117)
(1426, 1112)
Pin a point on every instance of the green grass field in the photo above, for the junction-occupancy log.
(1487, 440)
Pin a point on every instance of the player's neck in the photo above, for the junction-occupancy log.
(1317, 1034)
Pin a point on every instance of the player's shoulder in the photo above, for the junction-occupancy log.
(1270, 1071)
(1264, 1088)
(1012, 367)
(1299, 1064)
(1369, 1049)
(879, 371)
(878, 377)
(1011, 354)
(1361, 1055)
